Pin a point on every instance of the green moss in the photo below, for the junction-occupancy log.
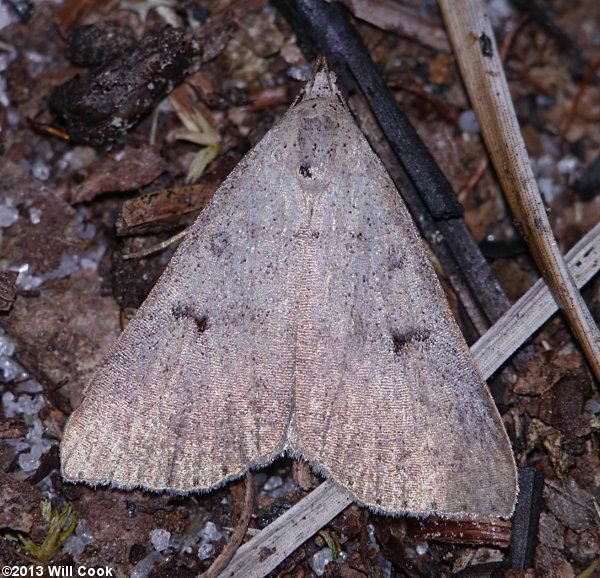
(62, 525)
(331, 543)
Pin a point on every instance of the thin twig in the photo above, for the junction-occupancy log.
(510, 37)
(534, 308)
(232, 546)
(483, 75)
(544, 18)
(279, 539)
(590, 570)
(158, 247)
(593, 69)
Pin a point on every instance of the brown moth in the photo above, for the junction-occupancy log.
(300, 315)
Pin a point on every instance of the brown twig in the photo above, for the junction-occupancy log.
(593, 69)
(475, 177)
(504, 49)
(465, 530)
(483, 75)
(156, 248)
(508, 40)
(223, 559)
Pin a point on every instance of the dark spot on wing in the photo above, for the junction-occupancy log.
(402, 339)
(305, 171)
(180, 311)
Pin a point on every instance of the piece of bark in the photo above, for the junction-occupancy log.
(8, 289)
(12, 429)
(122, 170)
(72, 12)
(110, 100)
(165, 209)
(96, 44)
(19, 505)
(161, 210)
(572, 505)
(476, 531)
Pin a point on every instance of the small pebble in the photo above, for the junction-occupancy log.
(30, 461)
(10, 369)
(144, 566)
(206, 551)
(83, 531)
(8, 216)
(160, 539)
(29, 386)
(74, 546)
(7, 345)
(273, 483)
(320, 560)
(467, 121)
(35, 216)
(567, 165)
(40, 170)
(210, 533)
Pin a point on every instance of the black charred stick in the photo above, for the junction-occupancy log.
(106, 103)
(325, 28)
(526, 519)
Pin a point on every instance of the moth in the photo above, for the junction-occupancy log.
(299, 316)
